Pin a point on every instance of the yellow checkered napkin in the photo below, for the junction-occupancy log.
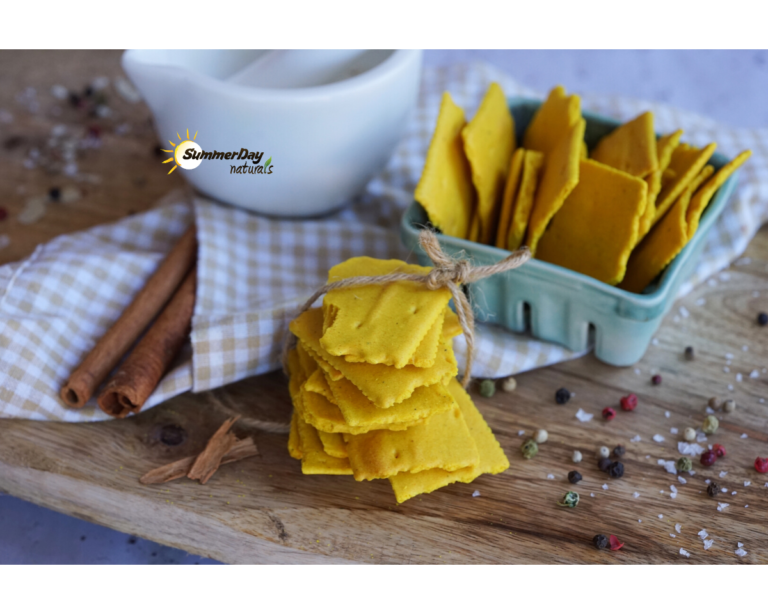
(254, 272)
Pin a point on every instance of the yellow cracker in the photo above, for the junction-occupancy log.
(584, 152)
(630, 148)
(473, 234)
(333, 373)
(307, 362)
(382, 384)
(492, 457)
(451, 325)
(532, 165)
(314, 460)
(591, 234)
(333, 444)
(381, 324)
(557, 115)
(664, 241)
(701, 198)
(445, 189)
(686, 164)
(559, 177)
(327, 417)
(358, 411)
(510, 195)
(664, 148)
(318, 383)
(489, 140)
(294, 441)
(442, 442)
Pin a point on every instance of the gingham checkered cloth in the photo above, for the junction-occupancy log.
(254, 272)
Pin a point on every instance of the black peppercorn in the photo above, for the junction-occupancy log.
(603, 464)
(616, 469)
(601, 542)
(713, 489)
(619, 451)
(762, 318)
(562, 396)
(574, 477)
(689, 352)
(54, 194)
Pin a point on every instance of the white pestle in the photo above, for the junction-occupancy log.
(295, 68)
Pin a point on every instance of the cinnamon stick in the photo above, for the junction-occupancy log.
(208, 460)
(84, 380)
(138, 376)
(243, 448)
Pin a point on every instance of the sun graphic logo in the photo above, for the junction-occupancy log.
(186, 162)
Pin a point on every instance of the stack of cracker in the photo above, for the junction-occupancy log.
(374, 389)
(619, 213)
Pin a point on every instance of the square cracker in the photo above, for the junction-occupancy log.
(510, 195)
(319, 409)
(380, 324)
(358, 411)
(684, 167)
(489, 140)
(663, 242)
(590, 234)
(664, 148)
(294, 441)
(445, 189)
(558, 179)
(492, 457)
(314, 459)
(532, 165)
(442, 442)
(630, 148)
(382, 384)
(556, 116)
(333, 444)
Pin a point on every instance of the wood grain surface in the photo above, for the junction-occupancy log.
(264, 510)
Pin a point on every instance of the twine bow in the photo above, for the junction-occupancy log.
(447, 273)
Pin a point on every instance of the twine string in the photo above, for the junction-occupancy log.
(447, 272)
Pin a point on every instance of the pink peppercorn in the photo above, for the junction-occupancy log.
(708, 458)
(629, 402)
(719, 449)
(656, 380)
(761, 465)
(609, 413)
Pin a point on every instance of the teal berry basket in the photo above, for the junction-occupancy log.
(560, 305)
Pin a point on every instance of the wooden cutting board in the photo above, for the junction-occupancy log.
(263, 510)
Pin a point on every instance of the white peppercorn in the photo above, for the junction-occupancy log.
(541, 436)
(509, 384)
(577, 456)
(689, 434)
(603, 452)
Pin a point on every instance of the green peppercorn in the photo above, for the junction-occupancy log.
(529, 449)
(711, 425)
(684, 464)
(570, 499)
(601, 542)
(487, 388)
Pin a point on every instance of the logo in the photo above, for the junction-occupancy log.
(189, 155)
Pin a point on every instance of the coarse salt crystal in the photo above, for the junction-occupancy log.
(723, 474)
(701, 436)
(635, 439)
(692, 449)
(667, 414)
(729, 356)
(685, 553)
(520, 433)
(658, 438)
(734, 492)
(672, 535)
(591, 494)
(723, 490)
(725, 370)
(637, 371)
(673, 430)
(673, 488)
(709, 410)
(476, 493)
(637, 494)
(730, 386)
(673, 495)
(678, 527)
(721, 506)
(583, 416)
(661, 516)
(708, 543)
(707, 481)
(684, 312)
(639, 520)
(754, 374)
(669, 466)
(740, 552)
(605, 486)
(743, 436)
(701, 301)
(739, 377)
(550, 476)
(691, 472)
(681, 479)
(703, 534)
(655, 341)
(746, 506)
(739, 545)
